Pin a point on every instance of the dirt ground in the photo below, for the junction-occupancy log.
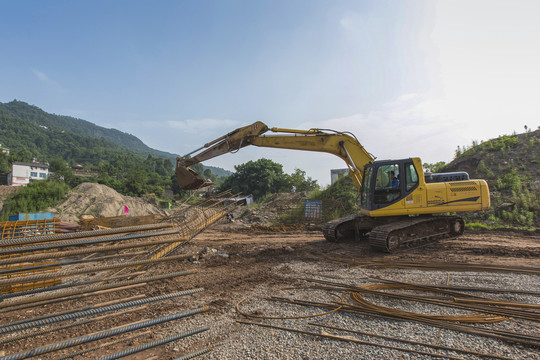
(231, 264)
(233, 260)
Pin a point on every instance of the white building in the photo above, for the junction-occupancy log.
(4, 149)
(22, 173)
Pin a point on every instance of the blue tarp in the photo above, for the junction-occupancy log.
(31, 216)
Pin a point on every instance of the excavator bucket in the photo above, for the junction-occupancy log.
(189, 179)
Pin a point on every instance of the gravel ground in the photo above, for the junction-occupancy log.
(240, 341)
(272, 264)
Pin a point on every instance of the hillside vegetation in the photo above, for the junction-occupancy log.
(37, 120)
(509, 163)
(511, 166)
(122, 161)
(29, 132)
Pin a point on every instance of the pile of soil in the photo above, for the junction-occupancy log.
(102, 201)
(269, 212)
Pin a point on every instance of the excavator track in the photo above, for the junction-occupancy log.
(338, 229)
(351, 227)
(414, 232)
(389, 234)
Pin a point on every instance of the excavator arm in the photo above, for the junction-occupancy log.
(342, 144)
(386, 208)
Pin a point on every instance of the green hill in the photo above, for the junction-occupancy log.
(28, 127)
(21, 110)
(511, 166)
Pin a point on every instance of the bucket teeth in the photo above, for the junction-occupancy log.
(190, 180)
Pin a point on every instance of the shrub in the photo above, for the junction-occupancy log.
(36, 196)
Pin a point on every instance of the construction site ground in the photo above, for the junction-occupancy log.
(234, 264)
(245, 262)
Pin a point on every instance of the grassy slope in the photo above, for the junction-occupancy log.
(511, 166)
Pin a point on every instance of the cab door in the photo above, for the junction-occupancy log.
(413, 199)
(387, 187)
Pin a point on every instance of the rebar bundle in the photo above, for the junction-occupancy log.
(101, 335)
(150, 345)
(92, 312)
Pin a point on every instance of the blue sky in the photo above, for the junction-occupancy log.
(409, 78)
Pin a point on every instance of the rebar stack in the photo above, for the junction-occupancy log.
(26, 229)
(39, 272)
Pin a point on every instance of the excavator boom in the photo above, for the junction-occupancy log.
(341, 144)
(392, 190)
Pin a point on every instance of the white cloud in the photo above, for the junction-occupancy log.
(195, 126)
(51, 84)
(346, 22)
(411, 125)
(41, 75)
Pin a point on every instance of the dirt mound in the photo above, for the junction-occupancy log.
(285, 201)
(102, 201)
(266, 215)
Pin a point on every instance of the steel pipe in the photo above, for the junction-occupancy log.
(348, 339)
(61, 254)
(100, 346)
(62, 327)
(62, 286)
(136, 297)
(94, 288)
(392, 338)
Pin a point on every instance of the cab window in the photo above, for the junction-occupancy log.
(366, 188)
(387, 184)
(411, 177)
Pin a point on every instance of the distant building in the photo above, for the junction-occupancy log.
(4, 149)
(335, 174)
(79, 170)
(22, 173)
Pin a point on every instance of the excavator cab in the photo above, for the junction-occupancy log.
(386, 182)
(391, 190)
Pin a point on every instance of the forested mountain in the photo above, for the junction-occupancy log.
(28, 127)
(123, 161)
(33, 114)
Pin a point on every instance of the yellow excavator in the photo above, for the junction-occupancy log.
(400, 205)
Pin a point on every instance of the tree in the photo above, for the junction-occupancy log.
(344, 192)
(4, 163)
(259, 178)
(436, 167)
(58, 165)
(300, 182)
(23, 155)
(36, 196)
(208, 174)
